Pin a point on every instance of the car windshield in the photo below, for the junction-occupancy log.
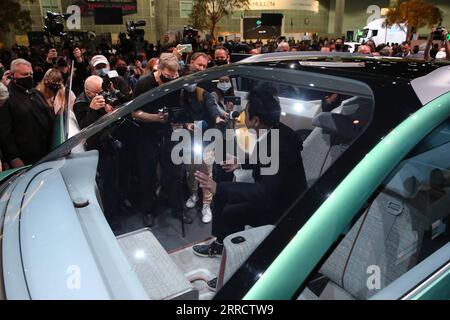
(142, 173)
(365, 33)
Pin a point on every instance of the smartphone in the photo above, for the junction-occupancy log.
(235, 100)
(113, 74)
(184, 48)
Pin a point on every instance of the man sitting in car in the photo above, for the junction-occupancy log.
(237, 204)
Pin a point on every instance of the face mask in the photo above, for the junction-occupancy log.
(101, 72)
(26, 83)
(224, 86)
(220, 62)
(122, 71)
(2, 72)
(164, 79)
(54, 87)
(144, 63)
(191, 88)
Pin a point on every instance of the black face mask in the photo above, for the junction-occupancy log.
(26, 83)
(54, 88)
(122, 71)
(220, 62)
(164, 79)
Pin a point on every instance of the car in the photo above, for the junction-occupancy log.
(373, 223)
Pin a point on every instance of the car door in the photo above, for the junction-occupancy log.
(424, 133)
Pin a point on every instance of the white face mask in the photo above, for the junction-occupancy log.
(224, 86)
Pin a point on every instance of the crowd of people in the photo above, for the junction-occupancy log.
(33, 92)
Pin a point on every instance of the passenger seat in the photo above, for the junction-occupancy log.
(386, 238)
(333, 134)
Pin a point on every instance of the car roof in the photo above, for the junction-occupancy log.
(348, 63)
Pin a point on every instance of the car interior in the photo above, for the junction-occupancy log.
(157, 262)
(173, 271)
(404, 228)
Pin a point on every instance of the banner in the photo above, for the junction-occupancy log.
(305, 5)
(88, 6)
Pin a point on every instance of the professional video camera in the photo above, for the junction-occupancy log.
(190, 35)
(438, 34)
(132, 29)
(54, 24)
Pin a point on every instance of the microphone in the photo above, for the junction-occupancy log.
(234, 114)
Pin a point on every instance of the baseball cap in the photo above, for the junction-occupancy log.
(96, 60)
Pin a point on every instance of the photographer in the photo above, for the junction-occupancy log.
(81, 70)
(90, 105)
(441, 34)
(154, 144)
(130, 79)
(100, 67)
(50, 59)
(81, 67)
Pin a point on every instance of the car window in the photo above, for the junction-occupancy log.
(135, 159)
(405, 222)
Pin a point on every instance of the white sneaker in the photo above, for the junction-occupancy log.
(192, 201)
(206, 214)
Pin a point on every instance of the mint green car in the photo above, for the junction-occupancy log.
(374, 222)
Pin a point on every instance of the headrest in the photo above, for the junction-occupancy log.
(404, 182)
(358, 108)
(337, 124)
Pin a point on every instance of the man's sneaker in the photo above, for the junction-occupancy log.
(212, 284)
(208, 250)
(192, 201)
(206, 213)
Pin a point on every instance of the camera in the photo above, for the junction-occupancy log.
(111, 98)
(176, 114)
(54, 24)
(132, 28)
(190, 35)
(438, 34)
(233, 99)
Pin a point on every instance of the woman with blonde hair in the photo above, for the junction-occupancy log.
(53, 91)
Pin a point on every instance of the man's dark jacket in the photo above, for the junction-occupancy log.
(26, 125)
(84, 114)
(275, 192)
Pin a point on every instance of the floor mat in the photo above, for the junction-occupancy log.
(167, 228)
(197, 269)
